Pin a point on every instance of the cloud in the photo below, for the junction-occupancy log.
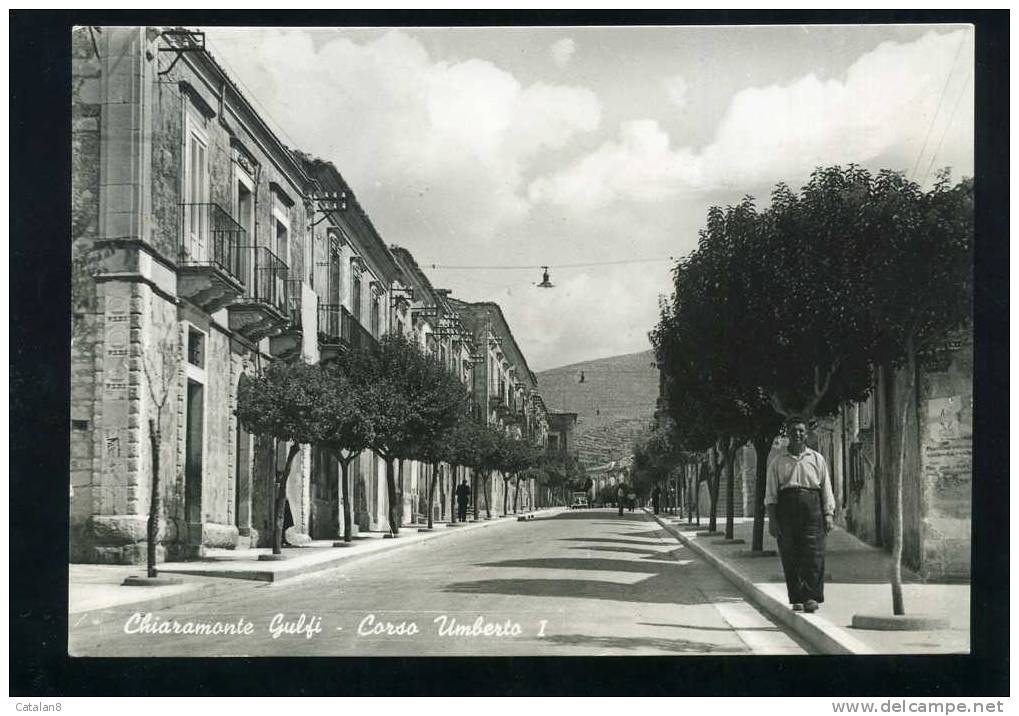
(562, 50)
(676, 89)
(442, 146)
(877, 115)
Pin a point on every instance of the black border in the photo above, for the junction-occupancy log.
(39, 395)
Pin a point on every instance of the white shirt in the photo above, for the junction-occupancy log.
(808, 469)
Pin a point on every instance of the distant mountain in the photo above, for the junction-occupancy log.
(614, 404)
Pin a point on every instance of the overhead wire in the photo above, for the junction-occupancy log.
(948, 126)
(937, 110)
(530, 267)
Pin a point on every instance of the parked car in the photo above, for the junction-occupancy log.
(580, 501)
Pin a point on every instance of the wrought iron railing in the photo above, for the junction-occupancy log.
(355, 335)
(294, 303)
(209, 236)
(266, 278)
(330, 330)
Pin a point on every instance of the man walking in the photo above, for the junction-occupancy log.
(463, 498)
(620, 498)
(656, 498)
(801, 511)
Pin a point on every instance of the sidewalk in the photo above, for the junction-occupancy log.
(94, 589)
(856, 583)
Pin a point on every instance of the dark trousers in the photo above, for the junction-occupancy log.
(801, 545)
(620, 507)
(461, 512)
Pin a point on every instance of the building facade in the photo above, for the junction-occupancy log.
(203, 249)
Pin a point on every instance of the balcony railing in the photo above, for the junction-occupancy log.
(265, 277)
(294, 303)
(210, 237)
(330, 322)
(354, 334)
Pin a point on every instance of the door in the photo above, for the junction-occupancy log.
(194, 453)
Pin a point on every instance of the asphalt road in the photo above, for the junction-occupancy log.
(578, 583)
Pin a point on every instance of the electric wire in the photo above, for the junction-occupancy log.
(937, 110)
(948, 126)
(531, 267)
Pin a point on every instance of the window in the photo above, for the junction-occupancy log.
(355, 295)
(333, 287)
(376, 313)
(196, 190)
(196, 348)
(281, 223)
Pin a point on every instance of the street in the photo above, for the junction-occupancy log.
(582, 582)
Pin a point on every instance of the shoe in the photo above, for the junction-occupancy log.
(810, 606)
(797, 607)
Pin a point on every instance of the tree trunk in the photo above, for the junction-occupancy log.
(762, 448)
(454, 474)
(730, 493)
(716, 479)
(348, 531)
(505, 495)
(152, 529)
(431, 492)
(898, 605)
(391, 494)
(488, 494)
(516, 495)
(281, 499)
(474, 492)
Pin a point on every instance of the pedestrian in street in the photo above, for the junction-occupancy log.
(656, 498)
(632, 500)
(801, 511)
(620, 499)
(463, 498)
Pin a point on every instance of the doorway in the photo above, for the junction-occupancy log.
(194, 453)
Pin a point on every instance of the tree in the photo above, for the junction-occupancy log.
(160, 368)
(517, 457)
(406, 393)
(285, 402)
(347, 431)
(928, 243)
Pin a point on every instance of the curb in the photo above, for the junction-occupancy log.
(104, 614)
(822, 635)
(342, 559)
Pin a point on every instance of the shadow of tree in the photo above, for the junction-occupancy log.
(679, 646)
(709, 628)
(607, 540)
(660, 587)
(626, 550)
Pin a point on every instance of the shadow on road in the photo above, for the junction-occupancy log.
(597, 514)
(660, 587)
(680, 646)
(709, 628)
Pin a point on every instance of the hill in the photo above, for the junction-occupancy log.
(614, 404)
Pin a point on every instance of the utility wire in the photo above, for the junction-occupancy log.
(948, 126)
(941, 97)
(531, 267)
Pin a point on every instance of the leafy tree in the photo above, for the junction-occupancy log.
(285, 402)
(407, 396)
(347, 431)
(517, 456)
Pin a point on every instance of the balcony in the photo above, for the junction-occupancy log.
(288, 343)
(339, 331)
(264, 308)
(211, 266)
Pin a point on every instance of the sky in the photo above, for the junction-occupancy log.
(514, 148)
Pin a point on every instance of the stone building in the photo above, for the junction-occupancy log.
(352, 295)
(190, 244)
(441, 333)
(504, 388)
